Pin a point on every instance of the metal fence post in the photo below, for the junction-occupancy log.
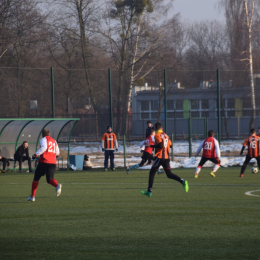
(206, 127)
(124, 153)
(172, 147)
(218, 100)
(52, 92)
(190, 145)
(110, 98)
(165, 100)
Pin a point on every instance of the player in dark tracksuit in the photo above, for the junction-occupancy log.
(22, 154)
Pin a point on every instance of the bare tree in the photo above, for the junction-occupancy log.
(133, 33)
(245, 11)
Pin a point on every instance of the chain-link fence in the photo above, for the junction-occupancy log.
(103, 97)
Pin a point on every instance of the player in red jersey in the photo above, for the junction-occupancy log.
(147, 152)
(162, 158)
(47, 163)
(253, 144)
(211, 152)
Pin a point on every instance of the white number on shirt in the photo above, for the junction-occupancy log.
(253, 144)
(52, 147)
(146, 143)
(208, 145)
(165, 143)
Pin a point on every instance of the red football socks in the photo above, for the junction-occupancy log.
(34, 188)
(54, 183)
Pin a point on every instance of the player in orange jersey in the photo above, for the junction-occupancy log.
(253, 144)
(162, 157)
(109, 145)
(147, 153)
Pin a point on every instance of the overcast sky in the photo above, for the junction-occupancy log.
(197, 10)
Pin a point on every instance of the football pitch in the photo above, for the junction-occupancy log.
(103, 215)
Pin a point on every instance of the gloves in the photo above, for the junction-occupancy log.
(103, 149)
(34, 156)
(116, 150)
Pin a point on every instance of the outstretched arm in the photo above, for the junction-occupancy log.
(43, 146)
(217, 148)
(199, 148)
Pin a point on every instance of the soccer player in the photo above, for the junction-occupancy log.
(211, 152)
(162, 157)
(147, 153)
(253, 144)
(109, 145)
(19, 156)
(47, 153)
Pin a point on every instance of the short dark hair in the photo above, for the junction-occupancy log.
(45, 132)
(210, 133)
(25, 142)
(151, 131)
(148, 122)
(158, 126)
(252, 130)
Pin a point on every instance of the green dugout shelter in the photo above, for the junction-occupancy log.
(14, 131)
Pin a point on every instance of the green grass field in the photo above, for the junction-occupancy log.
(104, 216)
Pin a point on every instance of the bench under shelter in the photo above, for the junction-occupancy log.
(13, 132)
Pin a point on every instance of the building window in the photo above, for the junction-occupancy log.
(170, 105)
(179, 105)
(144, 105)
(194, 104)
(154, 105)
(204, 104)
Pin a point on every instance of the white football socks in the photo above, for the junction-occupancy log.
(216, 167)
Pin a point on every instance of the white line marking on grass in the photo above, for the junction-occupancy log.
(135, 183)
(249, 193)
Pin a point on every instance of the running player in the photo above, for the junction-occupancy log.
(47, 163)
(162, 157)
(147, 153)
(109, 145)
(211, 152)
(253, 144)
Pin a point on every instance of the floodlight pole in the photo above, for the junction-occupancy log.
(165, 101)
(218, 106)
(110, 98)
(52, 91)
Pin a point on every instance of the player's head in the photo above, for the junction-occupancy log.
(149, 123)
(211, 133)
(252, 131)
(45, 132)
(25, 144)
(152, 132)
(109, 129)
(158, 126)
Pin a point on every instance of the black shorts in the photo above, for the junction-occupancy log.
(147, 156)
(44, 169)
(165, 163)
(204, 160)
(248, 159)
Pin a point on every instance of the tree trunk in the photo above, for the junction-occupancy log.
(249, 23)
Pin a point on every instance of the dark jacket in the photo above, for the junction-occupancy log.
(21, 151)
(148, 130)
